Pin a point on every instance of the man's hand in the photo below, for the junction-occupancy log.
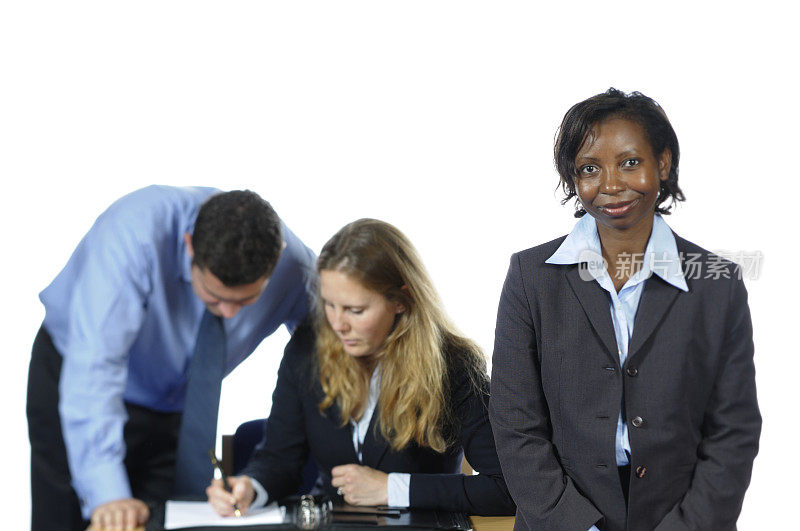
(127, 513)
(361, 485)
(222, 501)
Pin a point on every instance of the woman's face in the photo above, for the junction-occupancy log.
(619, 175)
(362, 318)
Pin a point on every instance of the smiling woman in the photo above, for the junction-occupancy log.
(580, 130)
(641, 412)
(618, 183)
(619, 175)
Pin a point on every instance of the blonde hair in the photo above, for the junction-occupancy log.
(413, 401)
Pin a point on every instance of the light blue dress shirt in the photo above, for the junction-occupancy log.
(124, 317)
(661, 257)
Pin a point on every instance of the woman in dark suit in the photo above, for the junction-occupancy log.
(623, 387)
(386, 396)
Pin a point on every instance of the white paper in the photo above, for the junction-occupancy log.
(180, 514)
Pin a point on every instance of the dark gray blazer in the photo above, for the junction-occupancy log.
(557, 386)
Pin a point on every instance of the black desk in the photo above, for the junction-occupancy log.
(411, 519)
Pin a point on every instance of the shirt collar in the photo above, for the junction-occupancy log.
(372, 398)
(375, 383)
(185, 261)
(582, 245)
(186, 266)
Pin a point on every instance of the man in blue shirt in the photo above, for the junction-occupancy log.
(111, 364)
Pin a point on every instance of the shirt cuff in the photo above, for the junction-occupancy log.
(261, 495)
(101, 484)
(398, 487)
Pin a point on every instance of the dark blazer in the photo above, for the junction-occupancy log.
(557, 387)
(296, 428)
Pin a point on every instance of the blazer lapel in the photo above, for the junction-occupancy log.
(595, 303)
(657, 297)
(375, 445)
(340, 440)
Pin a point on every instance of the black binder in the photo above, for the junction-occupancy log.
(340, 515)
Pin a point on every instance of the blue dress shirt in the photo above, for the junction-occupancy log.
(582, 245)
(124, 317)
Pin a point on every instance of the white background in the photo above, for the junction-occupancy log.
(438, 117)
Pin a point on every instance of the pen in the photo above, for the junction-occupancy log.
(395, 513)
(215, 462)
(391, 508)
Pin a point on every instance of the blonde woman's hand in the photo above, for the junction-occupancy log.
(242, 493)
(361, 485)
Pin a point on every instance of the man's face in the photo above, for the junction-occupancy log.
(220, 299)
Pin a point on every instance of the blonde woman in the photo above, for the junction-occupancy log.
(383, 393)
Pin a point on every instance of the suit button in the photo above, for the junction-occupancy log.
(637, 422)
(632, 371)
(641, 471)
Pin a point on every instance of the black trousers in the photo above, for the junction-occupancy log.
(150, 438)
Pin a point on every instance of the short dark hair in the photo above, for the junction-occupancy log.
(636, 107)
(237, 237)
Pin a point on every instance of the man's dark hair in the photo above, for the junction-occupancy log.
(237, 237)
(636, 107)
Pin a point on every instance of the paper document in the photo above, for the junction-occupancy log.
(181, 514)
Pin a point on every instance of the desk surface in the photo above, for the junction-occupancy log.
(480, 523)
(492, 523)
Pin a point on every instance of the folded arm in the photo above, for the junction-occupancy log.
(482, 494)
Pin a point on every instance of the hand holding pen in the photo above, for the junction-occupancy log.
(229, 496)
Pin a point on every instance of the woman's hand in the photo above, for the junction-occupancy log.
(127, 513)
(361, 485)
(222, 501)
